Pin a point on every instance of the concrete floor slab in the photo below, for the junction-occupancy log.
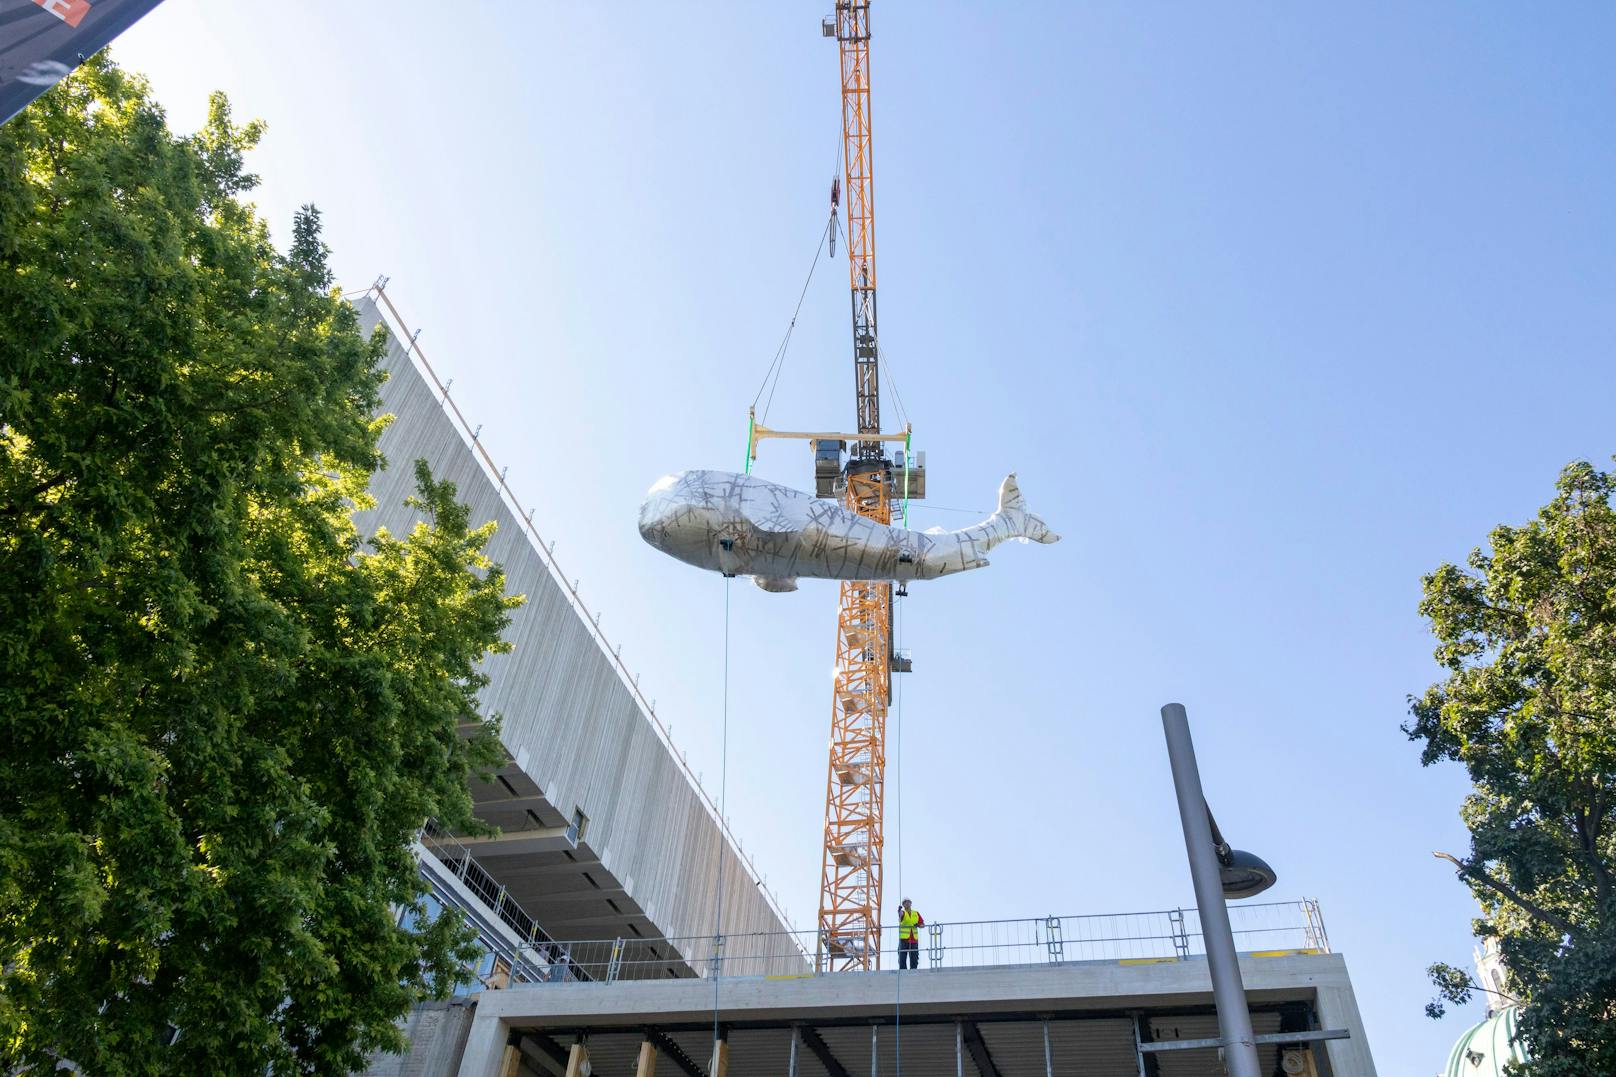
(1091, 1008)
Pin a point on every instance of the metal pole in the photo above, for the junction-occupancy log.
(1049, 1059)
(1228, 993)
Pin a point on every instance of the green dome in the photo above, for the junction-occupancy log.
(1484, 1049)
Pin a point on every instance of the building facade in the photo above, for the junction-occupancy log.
(595, 903)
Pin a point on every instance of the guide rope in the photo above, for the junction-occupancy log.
(979, 513)
(723, 794)
(897, 798)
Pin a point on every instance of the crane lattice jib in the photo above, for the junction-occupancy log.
(850, 890)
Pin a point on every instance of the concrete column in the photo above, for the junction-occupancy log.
(646, 1066)
(576, 1059)
(719, 1066)
(1339, 1009)
(484, 1055)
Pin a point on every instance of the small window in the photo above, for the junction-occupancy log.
(579, 824)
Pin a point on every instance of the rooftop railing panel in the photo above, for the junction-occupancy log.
(1160, 936)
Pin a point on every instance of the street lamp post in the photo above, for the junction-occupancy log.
(1213, 868)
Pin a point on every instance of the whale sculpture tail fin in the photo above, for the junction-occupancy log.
(1015, 518)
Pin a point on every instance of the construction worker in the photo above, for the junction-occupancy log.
(909, 924)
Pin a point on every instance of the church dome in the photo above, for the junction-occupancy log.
(1484, 1050)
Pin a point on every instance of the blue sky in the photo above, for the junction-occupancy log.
(1273, 309)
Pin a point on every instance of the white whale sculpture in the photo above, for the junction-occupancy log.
(742, 525)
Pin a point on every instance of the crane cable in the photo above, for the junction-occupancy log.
(777, 365)
(881, 354)
(892, 381)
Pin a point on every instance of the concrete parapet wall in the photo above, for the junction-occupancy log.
(437, 1032)
(1107, 985)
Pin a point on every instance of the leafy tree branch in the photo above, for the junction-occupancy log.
(1503, 889)
(225, 710)
(1526, 637)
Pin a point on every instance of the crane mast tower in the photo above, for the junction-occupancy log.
(850, 891)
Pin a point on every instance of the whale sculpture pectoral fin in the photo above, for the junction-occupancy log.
(776, 584)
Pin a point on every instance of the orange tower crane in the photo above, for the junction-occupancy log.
(850, 892)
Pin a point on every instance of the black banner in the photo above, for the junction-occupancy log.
(42, 40)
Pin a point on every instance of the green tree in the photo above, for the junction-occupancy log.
(1528, 638)
(223, 714)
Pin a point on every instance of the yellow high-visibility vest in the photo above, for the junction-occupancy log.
(906, 925)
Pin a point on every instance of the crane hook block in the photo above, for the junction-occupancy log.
(835, 200)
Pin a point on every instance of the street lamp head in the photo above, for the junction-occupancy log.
(1244, 874)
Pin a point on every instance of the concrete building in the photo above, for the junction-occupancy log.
(1095, 1019)
(595, 903)
(603, 831)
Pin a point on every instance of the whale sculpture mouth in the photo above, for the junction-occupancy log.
(657, 508)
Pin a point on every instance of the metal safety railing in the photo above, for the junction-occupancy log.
(1162, 936)
(457, 859)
